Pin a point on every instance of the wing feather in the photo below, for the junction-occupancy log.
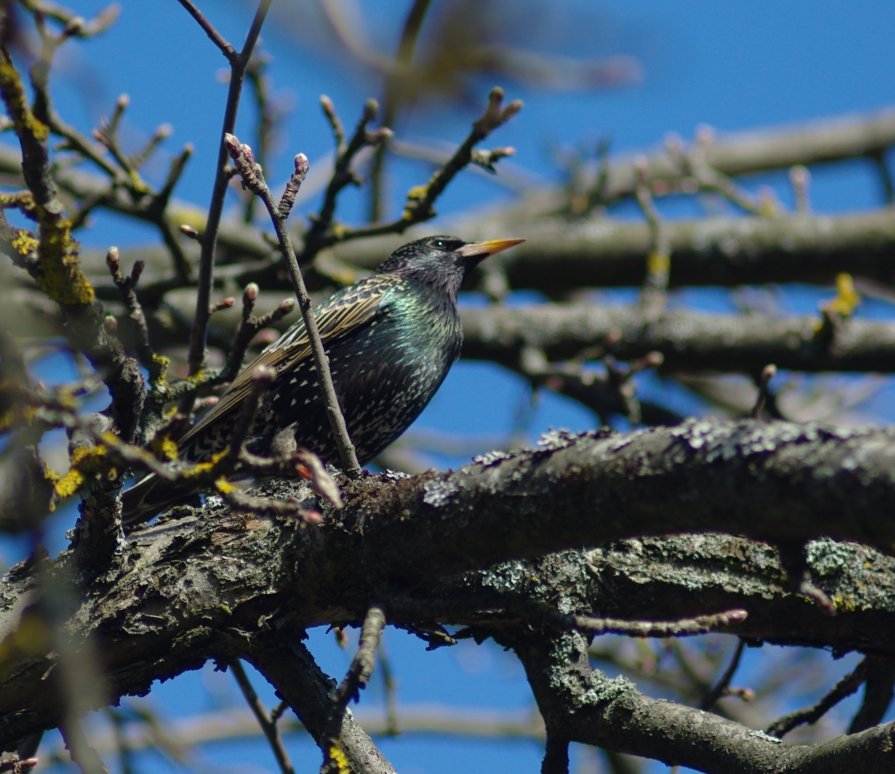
(338, 316)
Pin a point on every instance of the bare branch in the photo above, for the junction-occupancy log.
(253, 178)
(239, 62)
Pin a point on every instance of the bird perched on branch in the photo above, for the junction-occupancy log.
(390, 338)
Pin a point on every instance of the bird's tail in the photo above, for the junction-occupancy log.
(148, 497)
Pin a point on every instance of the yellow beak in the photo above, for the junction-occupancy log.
(490, 247)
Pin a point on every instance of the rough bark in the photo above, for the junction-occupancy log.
(213, 584)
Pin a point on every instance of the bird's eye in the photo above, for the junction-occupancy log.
(439, 244)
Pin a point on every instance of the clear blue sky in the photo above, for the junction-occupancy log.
(734, 65)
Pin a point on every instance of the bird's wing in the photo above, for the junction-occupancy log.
(338, 316)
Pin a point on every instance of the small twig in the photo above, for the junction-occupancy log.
(342, 173)
(174, 173)
(240, 500)
(843, 689)
(127, 286)
(683, 627)
(266, 721)
(355, 679)
(290, 462)
(82, 754)
(420, 202)
(238, 65)
(695, 165)
(606, 395)
(658, 262)
(16, 764)
(800, 178)
(419, 206)
(261, 380)
(121, 105)
(221, 305)
(392, 97)
(721, 687)
(253, 179)
(222, 43)
(248, 327)
(585, 196)
(266, 115)
(885, 176)
(764, 381)
(879, 680)
(389, 687)
(109, 141)
(145, 153)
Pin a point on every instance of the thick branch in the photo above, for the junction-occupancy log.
(310, 693)
(163, 609)
(588, 707)
(688, 340)
(559, 256)
(761, 150)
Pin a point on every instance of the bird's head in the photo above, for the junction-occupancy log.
(442, 262)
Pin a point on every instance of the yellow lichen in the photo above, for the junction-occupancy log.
(847, 298)
(658, 263)
(200, 468)
(224, 486)
(160, 374)
(16, 103)
(337, 756)
(414, 196)
(60, 275)
(58, 272)
(15, 414)
(165, 447)
(767, 207)
(84, 459)
(69, 483)
(24, 242)
(23, 200)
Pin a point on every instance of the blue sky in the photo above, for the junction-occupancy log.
(734, 65)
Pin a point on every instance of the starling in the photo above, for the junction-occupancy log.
(391, 339)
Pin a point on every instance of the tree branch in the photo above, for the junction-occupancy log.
(688, 341)
(610, 713)
(793, 481)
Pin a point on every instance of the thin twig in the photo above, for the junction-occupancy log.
(342, 175)
(718, 689)
(683, 627)
(222, 43)
(356, 678)
(248, 327)
(265, 720)
(843, 689)
(885, 176)
(764, 382)
(253, 179)
(419, 206)
(879, 681)
(238, 64)
(391, 98)
(658, 262)
(267, 117)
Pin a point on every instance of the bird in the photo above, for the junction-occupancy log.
(390, 339)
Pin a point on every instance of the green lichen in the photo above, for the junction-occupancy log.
(57, 270)
(23, 119)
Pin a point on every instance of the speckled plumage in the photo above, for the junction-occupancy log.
(391, 339)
